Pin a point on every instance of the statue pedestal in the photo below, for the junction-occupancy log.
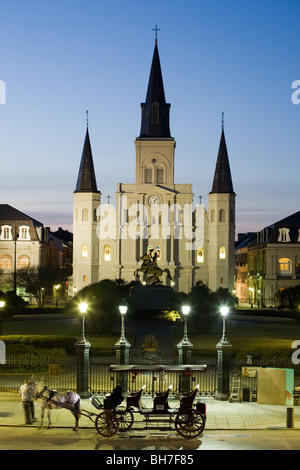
(152, 297)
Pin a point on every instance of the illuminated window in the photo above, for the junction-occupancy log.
(107, 253)
(284, 267)
(222, 252)
(24, 232)
(23, 262)
(84, 278)
(200, 257)
(6, 262)
(6, 232)
(84, 251)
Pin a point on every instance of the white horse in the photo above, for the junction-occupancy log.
(51, 399)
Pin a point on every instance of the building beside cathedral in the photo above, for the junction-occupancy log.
(154, 214)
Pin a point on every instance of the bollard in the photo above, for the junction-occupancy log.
(290, 417)
(27, 412)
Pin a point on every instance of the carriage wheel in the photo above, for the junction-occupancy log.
(189, 423)
(107, 424)
(125, 419)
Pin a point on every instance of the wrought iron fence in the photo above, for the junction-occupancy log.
(60, 373)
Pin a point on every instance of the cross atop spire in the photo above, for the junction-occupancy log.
(156, 30)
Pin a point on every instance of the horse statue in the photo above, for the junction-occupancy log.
(51, 399)
(149, 268)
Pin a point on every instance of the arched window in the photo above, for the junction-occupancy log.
(84, 251)
(160, 175)
(148, 175)
(298, 268)
(155, 113)
(23, 262)
(6, 262)
(85, 215)
(200, 256)
(222, 252)
(222, 215)
(284, 267)
(107, 253)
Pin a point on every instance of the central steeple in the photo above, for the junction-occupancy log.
(155, 111)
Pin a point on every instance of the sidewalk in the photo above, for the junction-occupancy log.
(220, 415)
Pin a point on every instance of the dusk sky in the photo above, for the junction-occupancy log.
(60, 58)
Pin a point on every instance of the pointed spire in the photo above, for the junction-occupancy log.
(86, 181)
(155, 111)
(222, 179)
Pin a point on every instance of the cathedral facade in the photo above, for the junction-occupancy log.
(154, 215)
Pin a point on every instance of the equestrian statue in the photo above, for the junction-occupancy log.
(150, 269)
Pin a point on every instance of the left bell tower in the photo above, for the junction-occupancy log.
(85, 209)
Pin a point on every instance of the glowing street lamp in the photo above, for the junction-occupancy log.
(185, 310)
(223, 362)
(83, 309)
(123, 307)
(224, 312)
(184, 347)
(122, 345)
(83, 361)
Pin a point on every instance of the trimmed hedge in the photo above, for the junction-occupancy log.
(37, 343)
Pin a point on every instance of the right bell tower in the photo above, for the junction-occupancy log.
(222, 223)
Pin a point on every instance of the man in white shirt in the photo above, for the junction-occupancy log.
(27, 395)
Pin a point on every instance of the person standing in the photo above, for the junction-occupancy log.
(27, 395)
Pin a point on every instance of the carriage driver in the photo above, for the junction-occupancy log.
(27, 395)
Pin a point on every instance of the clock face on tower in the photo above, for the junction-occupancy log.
(154, 200)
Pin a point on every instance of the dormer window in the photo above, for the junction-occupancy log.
(284, 235)
(6, 232)
(24, 232)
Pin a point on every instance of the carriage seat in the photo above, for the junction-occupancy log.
(135, 400)
(186, 401)
(160, 403)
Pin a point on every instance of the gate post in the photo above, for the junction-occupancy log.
(82, 367)
(223, 367)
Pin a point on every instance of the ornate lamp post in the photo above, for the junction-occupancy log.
(122, 345)
(122, 348)
(184, 348)
(223, 351)
(83, 357)
(2, 305)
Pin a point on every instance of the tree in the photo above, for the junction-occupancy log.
(289, 297)
(38, 278)
(103, 299)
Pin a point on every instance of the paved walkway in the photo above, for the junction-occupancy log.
(220, 415)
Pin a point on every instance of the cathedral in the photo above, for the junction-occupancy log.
(154, 215)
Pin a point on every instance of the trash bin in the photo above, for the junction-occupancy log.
(27, 412)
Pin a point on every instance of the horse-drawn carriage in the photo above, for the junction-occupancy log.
(188, 416)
